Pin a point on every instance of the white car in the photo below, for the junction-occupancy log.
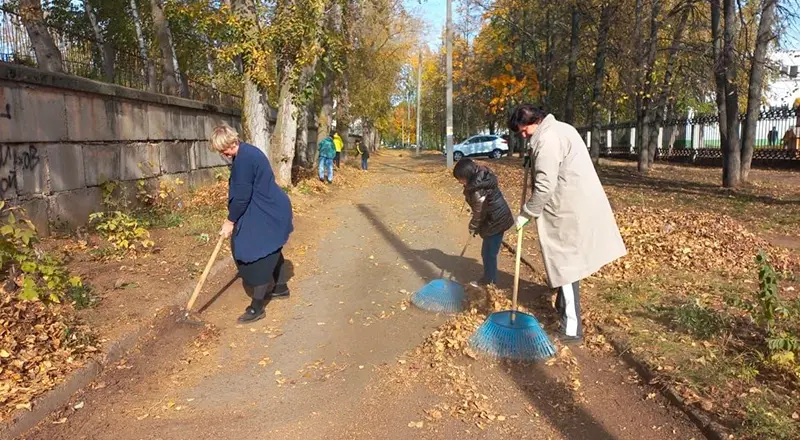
(490, 145)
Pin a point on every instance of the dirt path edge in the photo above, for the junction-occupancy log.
(711, 429)
(113, 351)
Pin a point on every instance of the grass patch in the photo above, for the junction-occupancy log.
(82, 297)
(698, 320)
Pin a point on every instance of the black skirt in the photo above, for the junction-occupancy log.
(261, 271)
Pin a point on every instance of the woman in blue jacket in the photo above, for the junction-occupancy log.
(259, 221)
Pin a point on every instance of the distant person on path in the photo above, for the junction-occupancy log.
(339, 145)
(772, 137)
(364, 152)
(577, 231)
(327, 151)
(259, 221)
(491, 216)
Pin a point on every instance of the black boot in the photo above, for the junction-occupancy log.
(253, 312)
(281, 291)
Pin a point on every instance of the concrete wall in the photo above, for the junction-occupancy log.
(63, 136)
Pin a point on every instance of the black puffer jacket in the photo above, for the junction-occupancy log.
(490, 212)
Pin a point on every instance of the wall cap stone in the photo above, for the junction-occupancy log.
(28, 75)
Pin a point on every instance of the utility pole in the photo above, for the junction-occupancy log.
(408, 108)
(419, 99)
(449, 98)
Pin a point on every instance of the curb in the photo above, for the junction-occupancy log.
(56, 398)
(710, 429)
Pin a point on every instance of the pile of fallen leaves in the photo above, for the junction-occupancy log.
(209, 196)
(39, 345)
(452, 337)
(689, 241)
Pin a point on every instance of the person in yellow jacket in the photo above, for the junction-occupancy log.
(338, 144)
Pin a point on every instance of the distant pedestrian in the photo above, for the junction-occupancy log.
(773, 136)
(338, 145)
(259, 221)
(364, 152)
(327, 151)
(577, 231)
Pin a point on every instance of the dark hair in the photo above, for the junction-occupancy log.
(525, 114)
(464, 169)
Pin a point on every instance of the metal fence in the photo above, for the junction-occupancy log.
(81, 56)
(697, 138)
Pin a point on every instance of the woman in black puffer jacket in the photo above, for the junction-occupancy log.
(491, 217)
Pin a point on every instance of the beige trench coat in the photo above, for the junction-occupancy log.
(577, 230)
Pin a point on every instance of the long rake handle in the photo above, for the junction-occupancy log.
(516, 276)
(203, 277)
(524, 188)
(463, 251)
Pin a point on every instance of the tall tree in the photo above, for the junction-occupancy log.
(164, 38)
(48, 57)
(148, 69)
(105, 49)
(644, 117)
(606, 15)
(572, 76)
(757, 67)
(731, 148)
(295, 36)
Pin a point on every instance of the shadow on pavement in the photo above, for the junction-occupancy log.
(551, 399)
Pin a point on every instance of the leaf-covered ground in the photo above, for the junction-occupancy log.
(42, 343)
(685, 296)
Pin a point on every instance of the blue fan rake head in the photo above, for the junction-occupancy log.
(441, 296)
(523, 339)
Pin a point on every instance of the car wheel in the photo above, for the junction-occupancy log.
(457, 155)
(496, 154)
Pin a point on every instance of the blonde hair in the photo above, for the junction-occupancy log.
(222, 136)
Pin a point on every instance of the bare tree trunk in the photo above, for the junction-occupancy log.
(667, 86)
(325, 118)
(719, 68)
(732, 151)
(255, 106)
(638, 69)
(164, 38)
(105, 49)
(183, 82)
(604, 27)
(303, 156)
(645, 160)
(283, 139)
(48, 57)
(255, 114)
(572, 75)
(765, 35)
(343, 119)
(149, 70)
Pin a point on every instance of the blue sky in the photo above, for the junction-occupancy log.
(434, 12)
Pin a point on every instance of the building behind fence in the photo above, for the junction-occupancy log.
(696, 138)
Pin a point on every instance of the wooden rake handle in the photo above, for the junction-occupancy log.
(518, 258)
(203, 277)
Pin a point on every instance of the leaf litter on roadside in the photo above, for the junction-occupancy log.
(39, 345)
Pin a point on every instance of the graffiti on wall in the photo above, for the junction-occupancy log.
(14, 160)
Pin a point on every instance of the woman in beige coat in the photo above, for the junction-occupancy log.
(577, 231)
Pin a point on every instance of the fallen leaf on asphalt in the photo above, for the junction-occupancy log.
(60, 421)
